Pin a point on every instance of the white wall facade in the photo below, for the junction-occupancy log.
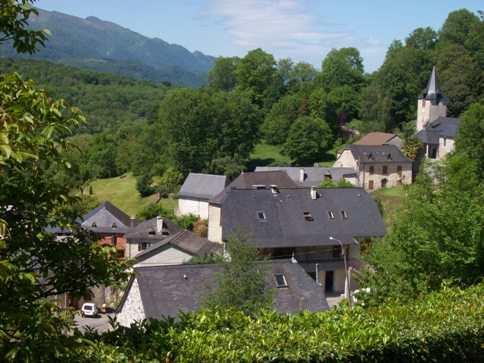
(194, 206)
(446, 145)
(214, 224)
(427, 112)
(345, 160)
(133, 307)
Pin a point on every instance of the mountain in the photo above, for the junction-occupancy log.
(100, 45)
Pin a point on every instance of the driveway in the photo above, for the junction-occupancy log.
(99, 323)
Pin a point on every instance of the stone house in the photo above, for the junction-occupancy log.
(196, 191)
(166, 291)
(311, 225)
(377, 166)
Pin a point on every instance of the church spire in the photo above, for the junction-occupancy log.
(433, 92)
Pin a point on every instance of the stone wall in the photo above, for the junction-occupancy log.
(133, 307)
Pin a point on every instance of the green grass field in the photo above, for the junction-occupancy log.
(392, 200)
(267, 155)
(121, 191)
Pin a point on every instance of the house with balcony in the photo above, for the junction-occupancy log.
(321, 229)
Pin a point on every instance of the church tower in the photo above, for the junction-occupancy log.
(431, 103)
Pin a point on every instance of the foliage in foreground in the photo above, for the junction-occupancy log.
(444, 327)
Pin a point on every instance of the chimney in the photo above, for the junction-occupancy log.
(132, 222)
(274, 189)
(314, 193)
(159, 224)
(301, 175)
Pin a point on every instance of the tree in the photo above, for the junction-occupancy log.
(422, 38)
(437, 237)
(34, 265)
(375, 108)
(241, 280)
(342, 67)
(457, 26)
(14, 26)
(469, 139)
(222, 76)
(411, 145)
(307, 140)
(280, 118)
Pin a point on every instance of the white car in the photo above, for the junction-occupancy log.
(89, 309)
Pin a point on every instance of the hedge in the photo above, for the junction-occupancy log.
(447, 326)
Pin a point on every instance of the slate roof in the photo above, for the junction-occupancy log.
(165, 292)
(147, 231)
(184, 240)
(378, 154)
(202, 186)
(313, 176)
(252, 179)
(432, 92)
(104, 216)
(375, 138)
(441, 127)
(285, 224)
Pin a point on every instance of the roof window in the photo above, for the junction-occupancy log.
(114, 226)
(308, 216)
(262, 216)
(280, 280)
(94, 225)
(344, 215)
(330, 215)
(152, 231)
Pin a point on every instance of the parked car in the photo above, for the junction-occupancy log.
(89, 309)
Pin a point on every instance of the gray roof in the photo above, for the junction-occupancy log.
(285, 224)
(441, 127)
(378, 154)
(147, 231)
(432, 92)
(202, 186)
(106, 218)
(257, 179)
(166, 292)
(313, 176)
(184, 240)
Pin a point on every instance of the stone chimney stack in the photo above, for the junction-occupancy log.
(159, 224)
(274, 189)
(301, 175)
(314, 193)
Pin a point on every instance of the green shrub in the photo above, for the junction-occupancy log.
(444, 327)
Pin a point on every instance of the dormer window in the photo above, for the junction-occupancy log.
(280, 280)
(114, 226)
(262, 216)
(308, 216)
(151, 232)
(344, 215)
(94, 225)
(330, 215)
(370, 156)
(165, 232)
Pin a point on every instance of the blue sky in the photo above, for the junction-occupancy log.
(304, 30)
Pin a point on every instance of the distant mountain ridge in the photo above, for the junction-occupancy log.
(100, 45)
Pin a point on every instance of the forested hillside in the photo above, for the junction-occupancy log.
(99, 45)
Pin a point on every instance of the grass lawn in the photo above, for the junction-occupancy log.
(392, 200)
(121, 191)
(267, 155)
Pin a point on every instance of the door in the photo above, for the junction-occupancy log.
(328, 283)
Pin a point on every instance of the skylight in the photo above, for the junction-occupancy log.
(330, 214)
(262, 216)
(280, 280)
(344, 215)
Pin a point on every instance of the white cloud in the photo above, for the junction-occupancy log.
(285, 28)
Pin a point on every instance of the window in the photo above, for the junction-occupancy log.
(114, 225)
(280, 280)
(385, 170)
(399, 170)
(143, 246)
(330, 215)
(308, 216)
(372, 170)
(94, 225)
(152, 231)
(262, 216)
(344, 215)
(165, 232)
(445, 141)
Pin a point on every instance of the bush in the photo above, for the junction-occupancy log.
(444, 327)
